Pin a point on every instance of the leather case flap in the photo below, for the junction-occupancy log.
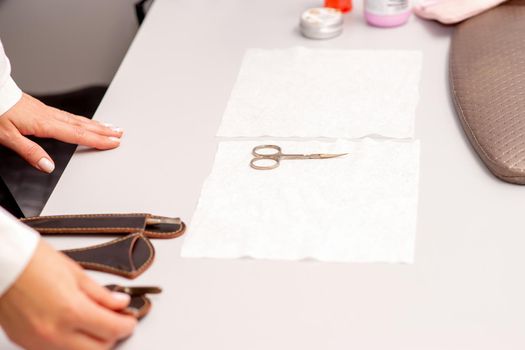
(126, 256)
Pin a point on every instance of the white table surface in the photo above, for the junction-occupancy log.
(466, 289)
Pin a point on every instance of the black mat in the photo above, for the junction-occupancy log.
(24, 190)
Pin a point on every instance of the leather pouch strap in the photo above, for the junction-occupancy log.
(151, 226)
(127, 256)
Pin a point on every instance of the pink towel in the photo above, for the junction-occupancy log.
(453, 11)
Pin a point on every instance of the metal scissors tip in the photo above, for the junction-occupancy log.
(327, 156)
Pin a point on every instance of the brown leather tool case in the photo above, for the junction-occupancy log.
(151, 226)
(127, 256)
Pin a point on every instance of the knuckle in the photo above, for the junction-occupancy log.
(77, 270)
(43, 128)
(46, 333)
(113, 332)
(82, 278)
(69, 312)
(8, 133)
(7, 137)
(4, 132)
(31, 150)
(81, 118)
(71, 118)
(79, 132)
(67, 118)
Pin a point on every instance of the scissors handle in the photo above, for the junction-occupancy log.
(266, 157)
(267, 151)
(265, 163)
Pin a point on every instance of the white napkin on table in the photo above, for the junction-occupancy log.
(360, 207)
(301, 92)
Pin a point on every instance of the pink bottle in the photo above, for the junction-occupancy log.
(387, 13)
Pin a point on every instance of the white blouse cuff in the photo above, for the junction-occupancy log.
(10, 94)
(17, 246)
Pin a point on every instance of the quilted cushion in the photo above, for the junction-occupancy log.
(487, 74)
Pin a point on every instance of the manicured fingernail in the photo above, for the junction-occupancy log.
(121, 296)
(46, 165)
(132, 312)
(116, 129)
(114, 139)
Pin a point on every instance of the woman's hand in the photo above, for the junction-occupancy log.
(31, 117)
(55, 305)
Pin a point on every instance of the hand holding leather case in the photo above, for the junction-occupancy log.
(150, 225)
(127, 256)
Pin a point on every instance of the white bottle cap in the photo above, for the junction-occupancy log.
(321, 23)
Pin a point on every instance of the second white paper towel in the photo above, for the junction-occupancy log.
(358, 208)
(324, 93)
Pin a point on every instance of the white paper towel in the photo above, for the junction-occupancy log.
(324, 93)
(361, 207)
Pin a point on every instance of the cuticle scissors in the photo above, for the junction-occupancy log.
(268, 157)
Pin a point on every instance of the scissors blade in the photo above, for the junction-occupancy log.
(328, 156)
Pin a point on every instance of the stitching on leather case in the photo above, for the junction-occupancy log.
(84, 229)
(80, 216)
(108, 268)
(87, 229)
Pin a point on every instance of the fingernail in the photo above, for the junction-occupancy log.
(133, 312)
(121, 296)
(114, 139)
(108, 125)
(46, 165)
(116, 129)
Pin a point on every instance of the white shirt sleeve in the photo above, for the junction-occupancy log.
(10, 93)
(17, 245)
(17, 241)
